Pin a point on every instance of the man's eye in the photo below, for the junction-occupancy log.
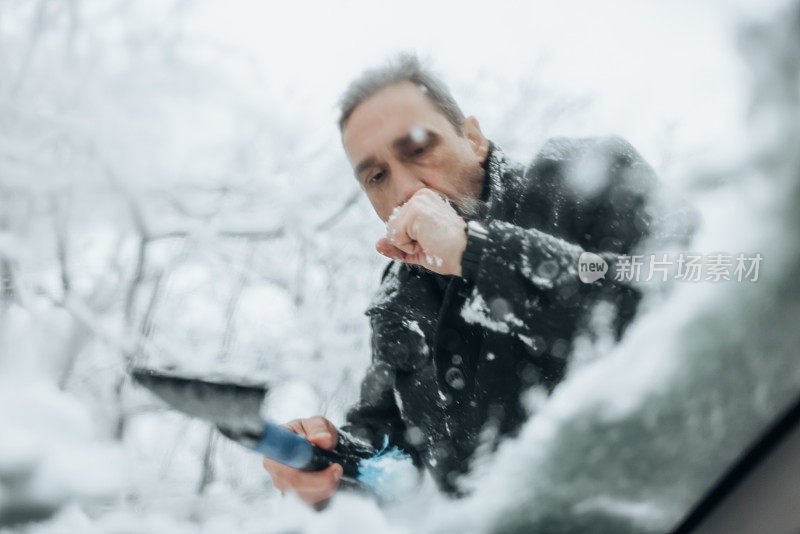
(375, 178)
(419, 150)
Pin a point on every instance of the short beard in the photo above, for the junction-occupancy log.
(469, 205)
(469, 208)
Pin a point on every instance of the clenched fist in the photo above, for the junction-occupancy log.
(426, 231)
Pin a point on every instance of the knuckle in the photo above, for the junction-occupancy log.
(426, 195)
(316, 421)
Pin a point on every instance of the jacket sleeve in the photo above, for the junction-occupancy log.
(589, 195)
(375, 422)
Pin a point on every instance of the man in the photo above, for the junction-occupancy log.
(483, 300)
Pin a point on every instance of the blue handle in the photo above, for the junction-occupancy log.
(285, 446)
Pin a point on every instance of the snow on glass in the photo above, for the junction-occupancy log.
(418, 134)
(496, 316)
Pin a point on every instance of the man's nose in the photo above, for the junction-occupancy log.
(405, 185)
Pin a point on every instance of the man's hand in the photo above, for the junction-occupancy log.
(426, 231)
(313, 487)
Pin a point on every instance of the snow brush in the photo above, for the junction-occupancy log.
(234, 406)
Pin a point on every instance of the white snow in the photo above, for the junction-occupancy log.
(414, 327)
(476, 311)
(418, 134)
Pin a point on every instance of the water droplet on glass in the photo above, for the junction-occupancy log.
(418, 135)
(444, 399)
(414, 435)
(455, 378)
(536, 345)
(547, 269)
(381, 379)
(529, 374)
(499, 308)
(452, 477)
(560, 348)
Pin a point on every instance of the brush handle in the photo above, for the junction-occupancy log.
(323, 458)
(290, 448)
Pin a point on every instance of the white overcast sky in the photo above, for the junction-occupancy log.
(646, 64)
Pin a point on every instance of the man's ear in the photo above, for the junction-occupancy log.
(477, 141)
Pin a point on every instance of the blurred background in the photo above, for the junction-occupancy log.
(173, 192)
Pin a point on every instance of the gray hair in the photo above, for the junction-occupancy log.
(404, 68)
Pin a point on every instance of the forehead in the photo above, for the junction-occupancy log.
(388, 114)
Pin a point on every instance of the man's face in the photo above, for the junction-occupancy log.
(398, 142)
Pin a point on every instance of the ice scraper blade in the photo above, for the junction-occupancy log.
(234, 406)
(231, 402)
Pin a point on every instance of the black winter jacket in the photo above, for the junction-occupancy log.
(451, 357)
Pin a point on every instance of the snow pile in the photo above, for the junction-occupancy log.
(51, 454)
(48, 454)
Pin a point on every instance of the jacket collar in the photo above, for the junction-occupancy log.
(502, 176)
